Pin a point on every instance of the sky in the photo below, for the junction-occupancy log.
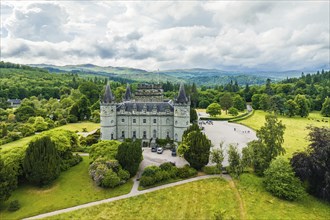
(226, 35)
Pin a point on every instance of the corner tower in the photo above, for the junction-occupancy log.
(108, 115)
(181, 114)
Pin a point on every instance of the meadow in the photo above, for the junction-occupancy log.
(73, 187)
(295, 135)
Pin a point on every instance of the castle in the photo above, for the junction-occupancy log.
(147, 116)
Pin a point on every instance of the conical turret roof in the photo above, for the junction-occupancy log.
(128, 93)
(182, 98)
(108, 97)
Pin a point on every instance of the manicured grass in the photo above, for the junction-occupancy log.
(223, 114)
(90, 126)
(259, 204)
(196, 200)
(295, 135)
(73, 187)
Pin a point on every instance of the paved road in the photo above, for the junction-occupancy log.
(134, 192)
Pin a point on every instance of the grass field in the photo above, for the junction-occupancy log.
(90, 126)
(196, 200)
(223, 114)
(73, 187)
(259, 204)
(295, 135)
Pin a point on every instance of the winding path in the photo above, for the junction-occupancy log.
(134, 192)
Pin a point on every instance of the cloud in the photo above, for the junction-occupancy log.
(241, 36)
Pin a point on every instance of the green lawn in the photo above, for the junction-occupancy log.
(259, 204)
(196, 200)
(90, 126)
(295, 132)
(73, 187)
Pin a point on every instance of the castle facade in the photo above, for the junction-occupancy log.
(146, 115)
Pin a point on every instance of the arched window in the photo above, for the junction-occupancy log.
(111, 136)
(144, 135)
(176, 137)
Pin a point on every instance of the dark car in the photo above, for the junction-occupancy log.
(174, 152)
(154, 149)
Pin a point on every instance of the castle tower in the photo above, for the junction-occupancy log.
(128, 94)
(108, 115)
(181, 114)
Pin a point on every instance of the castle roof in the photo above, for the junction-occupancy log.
(108, 96)
(145, 106)
(182, 98)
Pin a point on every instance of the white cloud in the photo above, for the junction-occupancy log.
(150, 35)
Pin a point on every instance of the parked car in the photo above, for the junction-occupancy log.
(173, 152)
(153, 149)
(160, 150)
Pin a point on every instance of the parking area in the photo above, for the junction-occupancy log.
(153, 158)
(229, 133)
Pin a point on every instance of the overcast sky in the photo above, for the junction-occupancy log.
(250, 35)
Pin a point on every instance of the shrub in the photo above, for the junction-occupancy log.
(150, 171)
(211, 170)
(123, 174)
(281, 181)
(166, 166)
(14, 206)
(110, 179)
(146, 181)
(186, 171)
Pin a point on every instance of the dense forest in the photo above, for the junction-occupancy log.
(50, 100)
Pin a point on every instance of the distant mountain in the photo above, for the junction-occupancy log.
(199, 76)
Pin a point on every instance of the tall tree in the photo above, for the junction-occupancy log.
(7, 181)
(214, 109)
(226, 101)
(235, 161)
(302, 103)
(217, 156)
(239, 103)
(41, 164)
(313, 165)
(268, 146)
(130, 156)
(325, 111)
(269, 90)
(291, 108)
(194, 95)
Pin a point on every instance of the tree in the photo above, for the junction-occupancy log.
(291, 108)
(233, 111)
(4, 130)
(226, 101)
(130, 155)
(325, 111)
(104, 149)
(217, 157)
(84, 113)
(235, 161)
(40, 124)
(313, 165)
(214, 109)
(239, 103)
(264, 102)
(203, 103)
(256, 101)
(280, 180)
(194, 95)
(198, 150)
(41, 163)
(302, 103)
(277, 104)
(193, 115)
(7, 180)
(268, 146)
(24, 112)
(269, 90)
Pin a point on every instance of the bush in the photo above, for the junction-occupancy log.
(123, 174)
(150, 171)
(14, 206)
(110, 179)
(281, 181)
(186, 171)
(211, 170)
(167, 166)
(147, 181)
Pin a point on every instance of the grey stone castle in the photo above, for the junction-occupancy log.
(145, 116)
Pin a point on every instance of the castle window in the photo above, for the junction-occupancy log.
(144, 135)
(122, 120)
(187, 123)
(176, 137)
(134, 120)
(155, 120)
(111, 136)
(134, 134)
(167, 121)
(144, 120)
(176, 122)
(168, 134)
(123, 134)
(155, 134)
